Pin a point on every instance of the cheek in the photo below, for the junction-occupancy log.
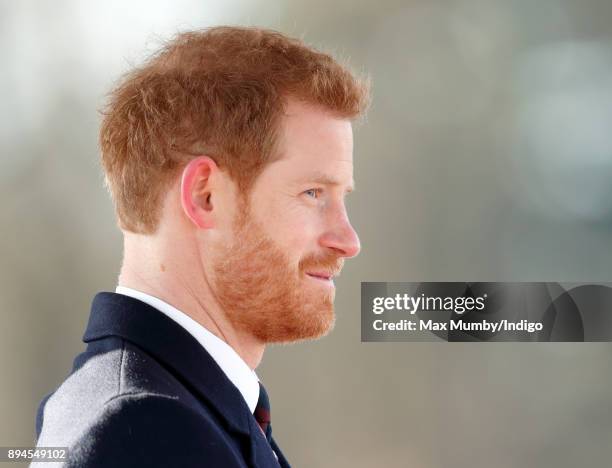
(299, 236)
(295, 228)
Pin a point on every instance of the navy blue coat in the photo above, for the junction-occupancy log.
(146, 393)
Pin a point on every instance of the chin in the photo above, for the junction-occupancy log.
(305, 328)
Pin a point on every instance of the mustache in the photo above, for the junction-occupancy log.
(330, 264)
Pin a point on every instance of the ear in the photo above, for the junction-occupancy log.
(196, 191)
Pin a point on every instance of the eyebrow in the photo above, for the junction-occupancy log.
(326, 179)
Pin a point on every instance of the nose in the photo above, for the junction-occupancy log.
(342, 238)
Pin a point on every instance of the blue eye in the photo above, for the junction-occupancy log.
(313, 192)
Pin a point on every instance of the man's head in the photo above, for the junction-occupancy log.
(235, 144)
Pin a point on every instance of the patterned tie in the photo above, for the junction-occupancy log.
(262, 412)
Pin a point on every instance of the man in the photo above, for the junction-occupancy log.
(228, 156)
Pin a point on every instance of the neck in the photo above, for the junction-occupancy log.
(158, 271)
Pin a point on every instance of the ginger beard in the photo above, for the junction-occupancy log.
(264, 293)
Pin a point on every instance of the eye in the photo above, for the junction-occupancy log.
(313, 193)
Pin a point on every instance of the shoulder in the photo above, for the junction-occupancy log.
(152, 430)
(120, 403)
(108, 369)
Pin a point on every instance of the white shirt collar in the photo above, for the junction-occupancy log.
(239, 373)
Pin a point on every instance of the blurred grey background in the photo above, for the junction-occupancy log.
(486, 156)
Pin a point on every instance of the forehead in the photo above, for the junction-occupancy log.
(313, 144)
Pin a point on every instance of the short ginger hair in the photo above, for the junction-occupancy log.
(219, 92)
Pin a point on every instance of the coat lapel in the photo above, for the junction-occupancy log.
(133, 320)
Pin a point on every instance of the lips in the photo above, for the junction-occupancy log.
(321, 275)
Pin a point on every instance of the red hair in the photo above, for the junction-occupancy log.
(220, 92)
